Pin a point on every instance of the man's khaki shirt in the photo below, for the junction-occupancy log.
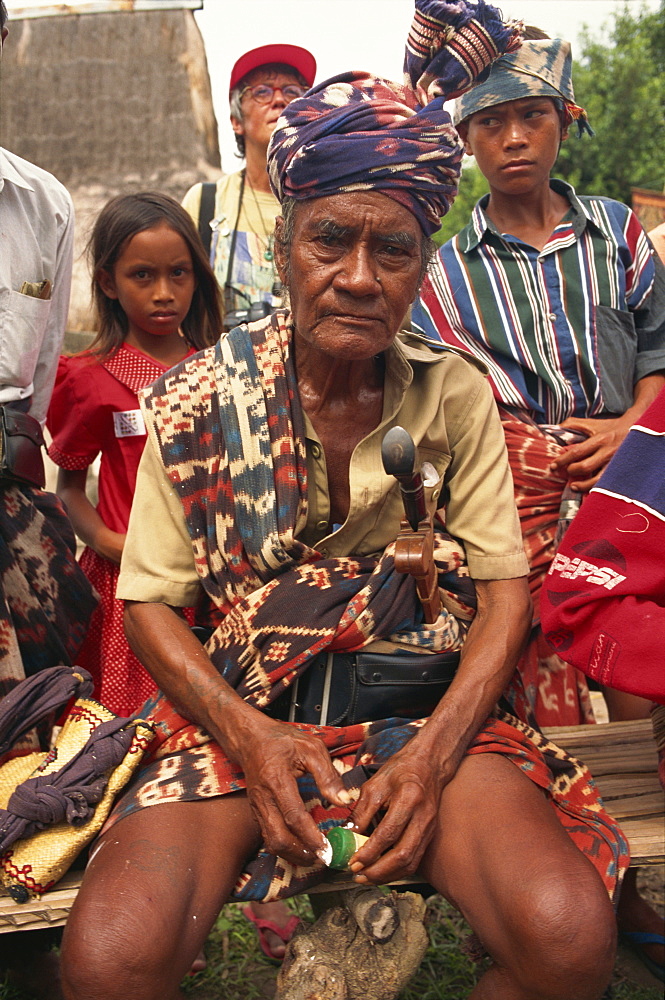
(446, 404)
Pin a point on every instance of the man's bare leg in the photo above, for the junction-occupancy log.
(150, 895)
(534, 900)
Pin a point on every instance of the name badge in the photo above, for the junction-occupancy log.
(129, 423)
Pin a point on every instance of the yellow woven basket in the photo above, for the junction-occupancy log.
(32, 866)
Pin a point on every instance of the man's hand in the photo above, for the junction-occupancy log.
(407, 789)
(272, 755)
(584, 463)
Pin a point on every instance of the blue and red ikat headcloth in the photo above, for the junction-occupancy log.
(356, 132)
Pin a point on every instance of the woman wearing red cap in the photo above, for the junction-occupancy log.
(238, 220)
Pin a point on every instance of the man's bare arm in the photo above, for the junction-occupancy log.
(271, 754)
(409, 785)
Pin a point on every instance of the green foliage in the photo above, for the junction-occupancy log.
(472, 186)
(621, 83)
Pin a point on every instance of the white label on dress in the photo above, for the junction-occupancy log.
(129, 424)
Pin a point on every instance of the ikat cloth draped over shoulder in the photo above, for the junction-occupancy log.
(356, 132)
(229, 428)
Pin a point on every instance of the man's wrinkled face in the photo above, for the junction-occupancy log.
(259, 120)
(353, 270)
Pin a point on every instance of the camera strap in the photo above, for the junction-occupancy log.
(206, 213)
(229, 290)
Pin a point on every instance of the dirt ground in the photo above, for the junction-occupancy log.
(651, 883)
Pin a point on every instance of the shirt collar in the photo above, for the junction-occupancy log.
(9, 173)
(481, 225)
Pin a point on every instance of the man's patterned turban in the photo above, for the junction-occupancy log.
(356, 132)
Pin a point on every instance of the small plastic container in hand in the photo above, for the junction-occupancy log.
(343, 845)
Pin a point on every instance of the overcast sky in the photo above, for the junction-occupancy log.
(348, 34)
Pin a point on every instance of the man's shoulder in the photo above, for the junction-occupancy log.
(22, 173)
(418, 348)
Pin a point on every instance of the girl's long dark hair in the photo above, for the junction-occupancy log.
(121, 219)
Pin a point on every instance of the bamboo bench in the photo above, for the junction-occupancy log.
(621, 756)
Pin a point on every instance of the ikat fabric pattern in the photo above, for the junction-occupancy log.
(451, 45)
(356, 132)
(204, 414)
(243, 486)
(45, 598)
(545, 690)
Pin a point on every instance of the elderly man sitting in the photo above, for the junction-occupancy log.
(263, 472)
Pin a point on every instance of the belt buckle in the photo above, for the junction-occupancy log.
(325, 695)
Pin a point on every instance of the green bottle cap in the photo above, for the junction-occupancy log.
(344, 845)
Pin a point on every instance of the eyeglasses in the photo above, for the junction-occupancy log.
(263, 93)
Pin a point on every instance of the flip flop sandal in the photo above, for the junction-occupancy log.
(199, 964)
(638, 938)
(285, 933)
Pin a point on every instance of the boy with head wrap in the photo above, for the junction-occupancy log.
(564, 301)
(264, 473)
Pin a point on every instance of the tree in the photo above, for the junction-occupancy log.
(472, 186)
(622, 86)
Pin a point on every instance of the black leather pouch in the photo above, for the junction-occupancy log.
(21, 442)
(363, 687)
(347, 688)
(406, 685)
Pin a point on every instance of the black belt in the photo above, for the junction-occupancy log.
(341, 689)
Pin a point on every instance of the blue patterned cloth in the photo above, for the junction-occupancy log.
(541, 67)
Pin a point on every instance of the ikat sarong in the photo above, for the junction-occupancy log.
(545, 690)
(45, 598)
(230, 432)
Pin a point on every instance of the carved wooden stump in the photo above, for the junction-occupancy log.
(366, 948)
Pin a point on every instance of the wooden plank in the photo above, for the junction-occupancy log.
(51, 910)
(619, 732)
(615, 785)
(635, 805)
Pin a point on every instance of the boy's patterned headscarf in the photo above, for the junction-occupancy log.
(541, 68)
(356, 132)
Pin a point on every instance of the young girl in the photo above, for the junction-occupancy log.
(156, 301)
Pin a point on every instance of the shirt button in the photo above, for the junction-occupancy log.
(321, 525)
(552, 317)
(316, 450)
